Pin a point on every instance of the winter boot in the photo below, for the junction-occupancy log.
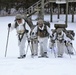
(40, 56)
(22, 56)
(45, 54)
(71, 53)
(60, 56)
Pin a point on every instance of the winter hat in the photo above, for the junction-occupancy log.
(18, 16)
(59, 30)
(40, 21)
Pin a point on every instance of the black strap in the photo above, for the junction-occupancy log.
(20, 36)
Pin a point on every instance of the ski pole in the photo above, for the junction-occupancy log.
(7, 42)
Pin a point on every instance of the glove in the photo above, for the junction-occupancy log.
(53, 41)
(65, 41)
(26, 31)
(9, 25)
(50, 36)
(33, 33)
(28, 41)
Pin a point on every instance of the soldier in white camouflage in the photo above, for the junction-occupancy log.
(23, 31)
(42, 32)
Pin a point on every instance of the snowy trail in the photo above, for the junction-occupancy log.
(54, 66)
(10, 65)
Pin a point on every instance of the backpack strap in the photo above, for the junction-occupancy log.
(29, 22)
(20, 36)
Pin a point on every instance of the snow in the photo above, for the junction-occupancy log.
(10, 65)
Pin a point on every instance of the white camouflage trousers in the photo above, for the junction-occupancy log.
(60, 48)
(22, 45)
(43, 45)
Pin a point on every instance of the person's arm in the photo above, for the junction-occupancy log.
(49, 31)
(34, 31)
(28, 30)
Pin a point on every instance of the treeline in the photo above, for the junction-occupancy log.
(16, 3)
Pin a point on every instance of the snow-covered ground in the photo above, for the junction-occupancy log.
(10, 65)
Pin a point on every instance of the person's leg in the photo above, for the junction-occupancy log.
(35, 47)
(21, 45)
(44, 45)
(60, 49)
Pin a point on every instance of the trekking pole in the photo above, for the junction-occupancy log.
(7, 42)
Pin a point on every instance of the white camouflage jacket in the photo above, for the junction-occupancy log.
(20, 27)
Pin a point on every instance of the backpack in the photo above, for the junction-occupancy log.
(70, 34)
(28, 21)
(46, 23)
(60, 26)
